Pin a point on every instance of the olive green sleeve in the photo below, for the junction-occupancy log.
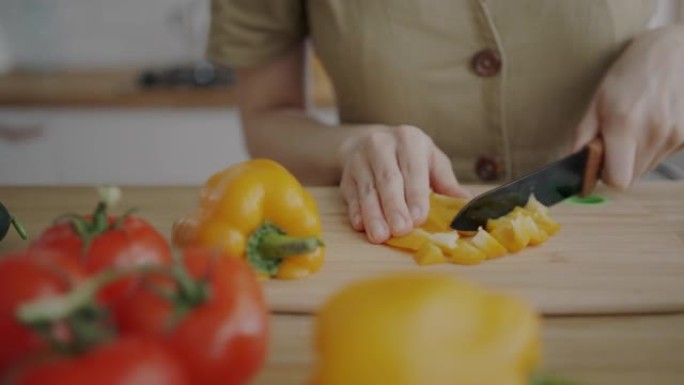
(245, 33)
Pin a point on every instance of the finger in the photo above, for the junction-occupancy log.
(674, 144)
(620, 158)
(414, 165)
(588, 127)
(442, 178)
(649, 150)
(377, 230)
(348, 189)
(355, 218)
(389, 183)
(657, 161)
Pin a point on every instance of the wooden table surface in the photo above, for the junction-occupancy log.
(634, 350)
(621, 349)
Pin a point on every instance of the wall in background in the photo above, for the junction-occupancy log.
(110, 33)
(44, 34)
(668, 12)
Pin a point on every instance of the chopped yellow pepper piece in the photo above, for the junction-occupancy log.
(429, 254)
(466, 254)
(511, 232)
(525, 226)
(540, 215)
(488, 244)
(411, 241)
(443, 209)
(537, 235)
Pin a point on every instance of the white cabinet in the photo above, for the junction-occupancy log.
(120, 146)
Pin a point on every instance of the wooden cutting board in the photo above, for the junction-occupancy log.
(625, 256)
(621, 256)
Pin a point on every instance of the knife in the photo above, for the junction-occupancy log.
(572, 175)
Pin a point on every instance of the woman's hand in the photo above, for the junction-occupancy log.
(639, 107)
(387, 174)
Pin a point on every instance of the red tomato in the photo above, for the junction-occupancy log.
(223, 339)
(127, 361)
(26, 276)
(137, 242)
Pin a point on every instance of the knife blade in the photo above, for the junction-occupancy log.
(572, 175)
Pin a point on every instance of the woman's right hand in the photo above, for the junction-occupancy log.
(387, 176)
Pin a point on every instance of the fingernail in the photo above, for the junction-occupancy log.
(621, 180)
(624, 184)
(415, 212)
(397, 222)
(378, 230)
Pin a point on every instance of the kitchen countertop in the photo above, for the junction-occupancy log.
(634, 350)
(617, 349)
(118, 89)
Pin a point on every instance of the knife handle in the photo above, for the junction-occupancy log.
(592, 170)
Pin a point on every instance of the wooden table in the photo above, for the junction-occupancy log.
(621, 349)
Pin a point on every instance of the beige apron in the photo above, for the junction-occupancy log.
(498, 84)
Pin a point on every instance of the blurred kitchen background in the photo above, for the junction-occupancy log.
(116, 91)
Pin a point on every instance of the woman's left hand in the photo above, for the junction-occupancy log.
(638, 108)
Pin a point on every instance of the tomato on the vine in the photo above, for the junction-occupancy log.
(126, 361)
(100, 241)
(214, 317)
(26, 276)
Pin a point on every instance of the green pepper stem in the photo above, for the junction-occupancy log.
(280, 246)
(19, 228)
(268, 246)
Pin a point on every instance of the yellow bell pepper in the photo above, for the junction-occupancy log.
(417, 329)
(524, 226)
(257, 210)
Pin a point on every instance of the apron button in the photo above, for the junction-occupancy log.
(487, 63)
(488, 168)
